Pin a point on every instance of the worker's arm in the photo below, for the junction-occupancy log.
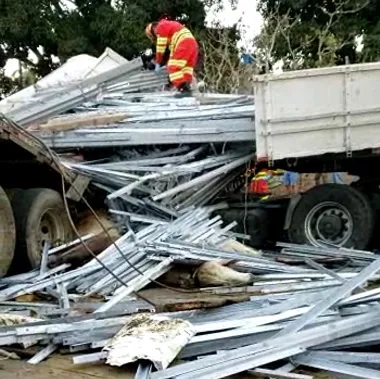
(162, 43)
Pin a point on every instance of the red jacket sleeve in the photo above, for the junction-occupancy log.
(162, 42)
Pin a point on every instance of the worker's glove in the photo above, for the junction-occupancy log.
(157, 68)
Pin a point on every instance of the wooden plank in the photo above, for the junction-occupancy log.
(166, 300)
(92, 121)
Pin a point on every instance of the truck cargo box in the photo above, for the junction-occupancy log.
(317, 111)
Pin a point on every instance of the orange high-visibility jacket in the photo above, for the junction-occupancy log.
(169, 34)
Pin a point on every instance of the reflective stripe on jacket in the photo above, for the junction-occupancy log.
(169, 34)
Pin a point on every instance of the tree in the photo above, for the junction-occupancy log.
(7, 85)
(25, 29)
(307, 33)
(48, 28)
(222, 69)
(51, 29)
(120, 25)
(371, 32)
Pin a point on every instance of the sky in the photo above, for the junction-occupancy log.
(246, 12)
(250, 21)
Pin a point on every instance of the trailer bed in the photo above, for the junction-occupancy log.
(25, 162)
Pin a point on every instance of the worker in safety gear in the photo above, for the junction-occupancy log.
(265, 182)
(183, 51)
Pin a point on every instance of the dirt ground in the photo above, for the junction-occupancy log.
(61, 367)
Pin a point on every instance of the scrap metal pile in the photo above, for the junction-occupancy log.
(305, 312)
(304, 315)
(171, 180)
(298, 306)
(152, 119)
(116, 104)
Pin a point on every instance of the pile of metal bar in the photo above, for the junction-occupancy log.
(164, 199)
(352, 257)
(121, 107)
(142, 255)
(312, 327)
(157, 119)
(51, 102)
(165, 181)
(303, 315)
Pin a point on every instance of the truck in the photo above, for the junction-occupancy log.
(319, 120)
(32, 209)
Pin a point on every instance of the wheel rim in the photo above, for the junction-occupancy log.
(328, 222)
(51, 228)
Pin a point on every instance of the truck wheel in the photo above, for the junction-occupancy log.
(40, 217)
(7, 233)
(335, 214)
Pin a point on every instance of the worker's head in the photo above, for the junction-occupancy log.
(150, 31)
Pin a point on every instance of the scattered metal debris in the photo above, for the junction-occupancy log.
(172, 122)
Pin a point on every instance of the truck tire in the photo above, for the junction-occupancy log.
(7, 233)
(12, 192)
(40, 217)
(335, 214)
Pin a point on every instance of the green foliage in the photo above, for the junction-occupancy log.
(222, 68)
(7, 85)
(371, 32)
(23, 27)
(317, 33)
(49, 28)
(97, 24)
(57, 28)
